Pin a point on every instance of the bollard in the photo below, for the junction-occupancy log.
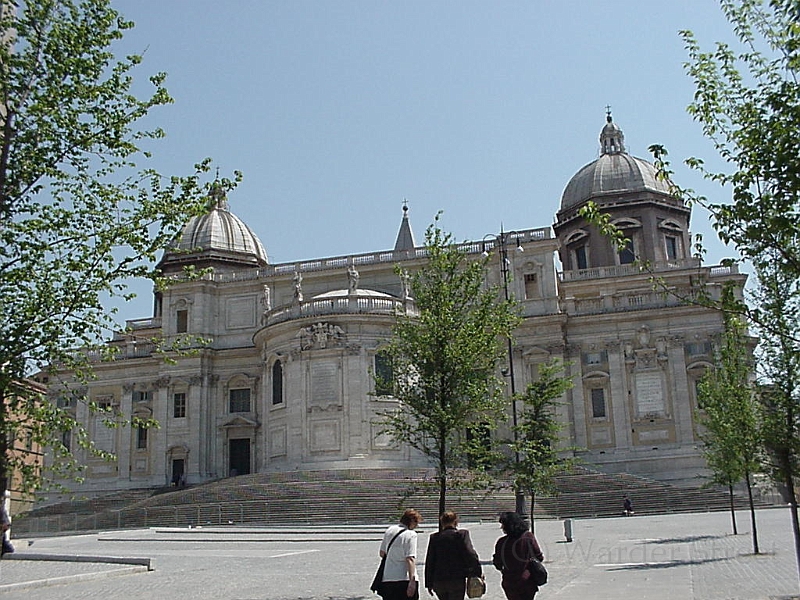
(568, 529)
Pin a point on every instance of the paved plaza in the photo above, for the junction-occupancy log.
(680, 556)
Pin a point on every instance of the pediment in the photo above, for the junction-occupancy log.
(240, 421)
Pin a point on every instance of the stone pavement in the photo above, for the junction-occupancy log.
(681, 556)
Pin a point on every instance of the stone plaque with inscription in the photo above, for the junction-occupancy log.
(649, 393)
(104, 437)
(325, 384)
(277, 441)
(325, 436)
(240, 313)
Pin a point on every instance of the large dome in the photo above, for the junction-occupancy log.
(614, 172)
(218, 235)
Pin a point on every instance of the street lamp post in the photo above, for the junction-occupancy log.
(502, 242)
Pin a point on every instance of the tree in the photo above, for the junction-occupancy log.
(728, 414)
(79, 215)
(748, 104)
(445, 358)
(779, 378)
(537, 440)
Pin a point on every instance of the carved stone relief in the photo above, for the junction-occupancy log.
(320, 336)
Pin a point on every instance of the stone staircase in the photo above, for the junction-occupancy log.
(360, 497)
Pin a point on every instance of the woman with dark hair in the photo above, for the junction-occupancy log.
(450, 560)
(512, 555)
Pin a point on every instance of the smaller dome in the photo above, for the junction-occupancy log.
(614, 172)
(218, 235)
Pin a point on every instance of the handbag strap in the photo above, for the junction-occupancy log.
(389, 547)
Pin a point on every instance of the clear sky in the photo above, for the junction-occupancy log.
(337, 110)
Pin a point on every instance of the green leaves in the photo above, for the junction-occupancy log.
(540, 456)
(445, 357)
(80, 213)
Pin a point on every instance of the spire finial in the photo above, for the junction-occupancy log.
(608, 113)
(405, 237)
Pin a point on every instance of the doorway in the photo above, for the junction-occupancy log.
(178, 466)
(239, 456)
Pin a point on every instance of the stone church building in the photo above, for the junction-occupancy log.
(285, 379)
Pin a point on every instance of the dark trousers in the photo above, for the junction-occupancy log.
(450, 590)
(396, 590)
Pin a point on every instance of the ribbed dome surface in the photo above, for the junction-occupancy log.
(218, 234)
(612, 173)
(221, 231)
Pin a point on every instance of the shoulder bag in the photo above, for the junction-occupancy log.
(537, 571)
(377, 581)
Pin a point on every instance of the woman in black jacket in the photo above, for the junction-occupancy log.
(450, 560)
(512, 556)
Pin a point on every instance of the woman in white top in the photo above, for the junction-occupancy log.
(400, 574)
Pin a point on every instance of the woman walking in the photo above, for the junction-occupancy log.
(399, 546)
(450, 560)
(512, 555)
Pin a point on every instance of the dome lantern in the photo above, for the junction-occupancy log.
(612, 140)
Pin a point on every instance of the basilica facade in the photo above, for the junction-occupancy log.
(283, 379)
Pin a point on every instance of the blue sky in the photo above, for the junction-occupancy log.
(335, 111)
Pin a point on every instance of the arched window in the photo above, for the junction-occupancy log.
(277, 383)
(673, 236)
(578, 249)
(630, 228)
(628, 254)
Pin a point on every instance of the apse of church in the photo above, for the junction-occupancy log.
(285, 379)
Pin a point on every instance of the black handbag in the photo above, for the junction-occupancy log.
(537, 571)
(377, 581)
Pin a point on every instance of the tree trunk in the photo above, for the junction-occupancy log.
(442, 478)
(789, 482)
(752, 512)
(533, 503)
(733, 509)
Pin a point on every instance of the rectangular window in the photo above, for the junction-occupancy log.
(698, 348)
(531, 285)
(595, 358)
(581, 260)
(628, 254)
(598, 403)
(697, 392)
(141, 438)
(65, 402)
(142, 396)
(239, 400)
(182, 321)
(672, 247)
(66, 439)
(384, 374)
(179, 405)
